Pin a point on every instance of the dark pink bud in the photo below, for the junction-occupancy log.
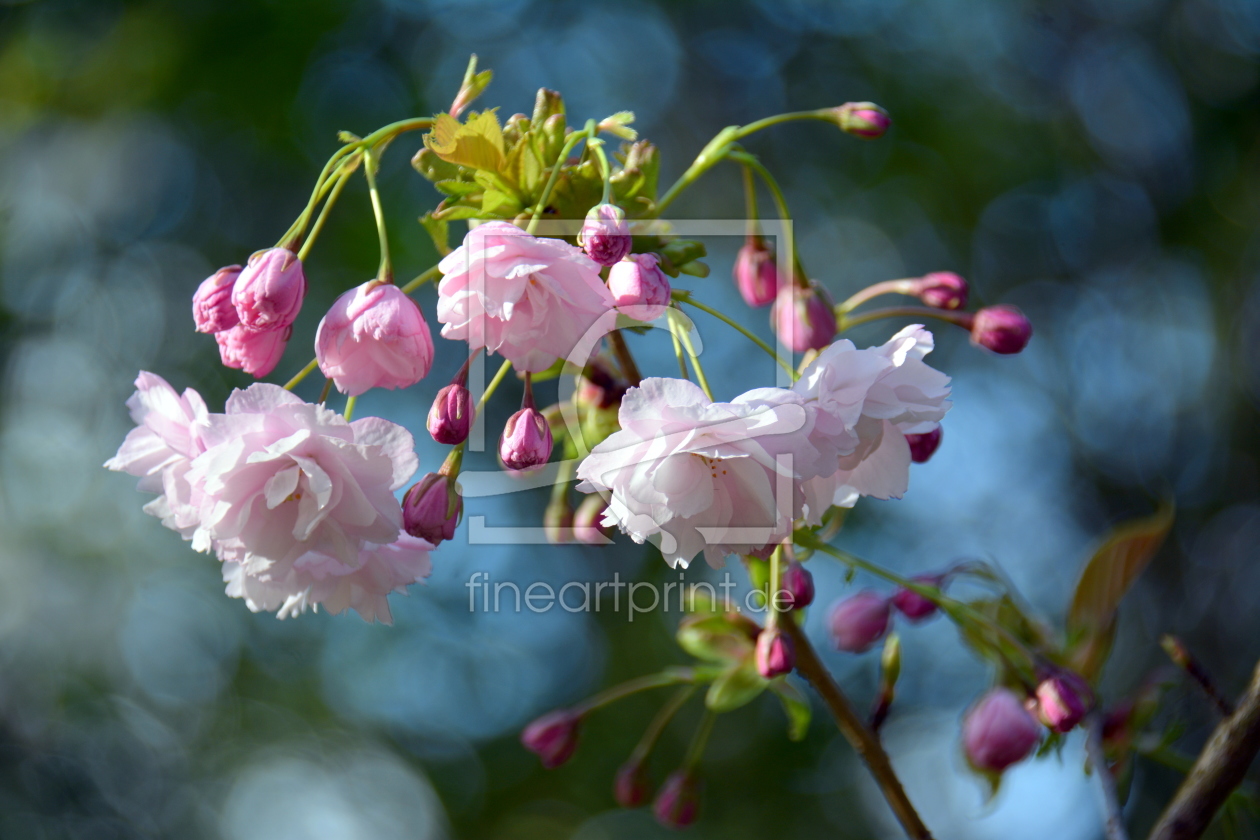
(923, 446)
(803, 318)
(431, 508)
(269, 292)
(451, 415)
(1002, 329)
(1063, 700)
(863, 119)
(859, 622)
(256, 353)
(639, 288)
(553, 737)
(913, 605)
(212, 302)
(526, 440)
(757, 272)
(775, 654)
(798, 586)
(998, 731)
(605, 236)
(942, 290)
(631, 787)
(678, 803)
(587, 520)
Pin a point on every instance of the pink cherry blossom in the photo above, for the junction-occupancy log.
(639, 288)
(161, 447)
(281, 478)
(532, 300)
(268, 293)
(374, 336)
(693, 475)
(256, 353)
(213, 310)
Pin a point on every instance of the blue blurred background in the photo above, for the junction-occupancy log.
(1093, 161)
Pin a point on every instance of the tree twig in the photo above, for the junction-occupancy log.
(628, 368)
(856, 732)
(1217, 771)
(1114, 817)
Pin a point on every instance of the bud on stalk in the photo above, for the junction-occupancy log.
(553, 737)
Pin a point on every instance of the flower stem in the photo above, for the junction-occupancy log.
(789, 236)
(425, 277)
(855, 731)
(962, 319)
(700, 740)
(750, 199)
(571, 141)
(904, 286)
(597, 147)
(685, 338)
(350, 403)
(685, 297)
(301, 374)
(666, 713)
(624, 360)
(386, 271)
(494, 384)
(1114, 824)
(342, 178)
(670, 676)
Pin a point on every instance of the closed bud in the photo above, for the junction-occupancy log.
(212, 307)
(269, 291)
(599, 387)
(803, 318)
(998, 731)
(605, 236)
(923, 446)
(526, 440)
(859, 622)
(631, 787)
(639, 288)
(757, 272)
(862, 119)
(678, 803)
(913, 605)
(553, 737)
(431, 508)
(256, 353)
(1063, 700)
(775, 654)
(1002, 329)
(374, 336)
(587, 527)
(451, 415)
(798, 586)
(942, 290)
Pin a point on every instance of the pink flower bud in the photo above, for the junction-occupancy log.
(1002, 329)
(631, 787)
(553, 737)
(374, 336)
(859, 622)
(775, 654)
(803, 318)
(863, 119)
(998, 731)
(431, 508)
(798, 586)
(923, 446)
(268, 294)
(757, 272)
(587, 519)
(605, 236)
(639, 289)
(599, 387)
(451, 415)
(942, 290)
(913, 605)
(526, 440)
(256, 353)
(212, 302)
(1063, 700)
(678, 803)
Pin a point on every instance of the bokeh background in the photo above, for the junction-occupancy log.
(1093, 161)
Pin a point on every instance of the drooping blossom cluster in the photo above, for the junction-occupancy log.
(694, 475)
(297, 503)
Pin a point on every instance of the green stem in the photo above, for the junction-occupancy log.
(824, 114)
(671, 676)
(678, 353)
(494, 384)
(350, 403)
(597, 146)
(699, 741)
(424, 277)
(334, 164)
(780, 202)
(629, 369)
(962, 319)
(342, 178)
(750, 199)
(385, 273)
(685, 337)
(685, 297)
(323, 394)
(301, 374)
(571, 141)
(905, 286)
(776, 582)
(666, 713)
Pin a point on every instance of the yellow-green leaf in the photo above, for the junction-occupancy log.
(738, 685)
(477, 143)
(795, 706)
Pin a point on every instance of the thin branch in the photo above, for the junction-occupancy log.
(1114, 824)
(1219, 769)
(856, 732)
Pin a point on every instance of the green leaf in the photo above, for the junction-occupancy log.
(454, 212)
(619, 125)
(740, 684)
(695, 268)
(795, 706)
(1121, 558)
(457, 188)
(681, 251)
(717, 638)
(497, 203)
(433, 167)
(439, 232)
(477, 143)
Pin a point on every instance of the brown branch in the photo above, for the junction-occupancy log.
(856, 732)
(628, 368)
(1218, 770)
